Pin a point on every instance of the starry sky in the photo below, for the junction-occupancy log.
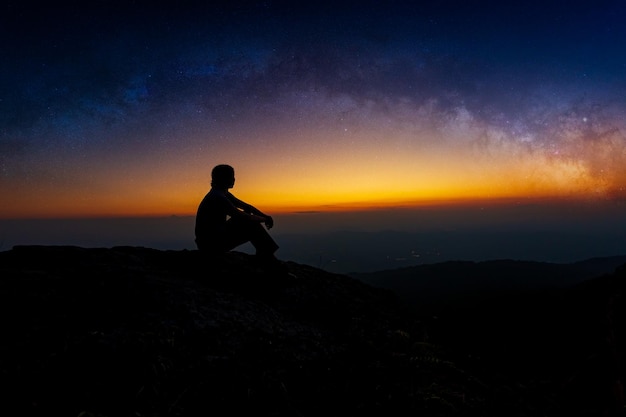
(122, 110)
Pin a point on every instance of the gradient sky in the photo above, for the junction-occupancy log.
(123, 110)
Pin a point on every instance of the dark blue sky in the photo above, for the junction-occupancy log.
(122, 109)
(99, 99)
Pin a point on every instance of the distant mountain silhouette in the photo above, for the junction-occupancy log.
(137, 331)
(436, 285)
(370, 251)
(569, 341)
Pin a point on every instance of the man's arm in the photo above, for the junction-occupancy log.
(252, 211)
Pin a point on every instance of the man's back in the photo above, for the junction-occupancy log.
(212, 214)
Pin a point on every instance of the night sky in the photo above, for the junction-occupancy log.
(122, 110)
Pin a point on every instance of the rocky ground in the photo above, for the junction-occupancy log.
(131, 331)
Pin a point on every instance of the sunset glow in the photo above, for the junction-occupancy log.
(360, 171)
(407, 108)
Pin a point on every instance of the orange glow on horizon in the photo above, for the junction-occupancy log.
(138, 210)
(336, 176)
(325, 191)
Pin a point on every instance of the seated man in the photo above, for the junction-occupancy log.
(224, 222)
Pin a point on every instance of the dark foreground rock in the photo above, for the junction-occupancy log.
(131, 331)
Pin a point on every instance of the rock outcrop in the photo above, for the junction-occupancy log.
(132, 331)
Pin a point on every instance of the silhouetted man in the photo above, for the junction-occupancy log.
(224, 222)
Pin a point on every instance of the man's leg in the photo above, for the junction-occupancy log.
(240, 231)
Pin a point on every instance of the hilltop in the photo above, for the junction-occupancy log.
(448, 285)
(137, 331)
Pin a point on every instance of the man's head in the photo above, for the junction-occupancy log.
(223, 176)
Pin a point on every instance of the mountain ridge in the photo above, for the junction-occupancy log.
(137, 331)
(443, 282)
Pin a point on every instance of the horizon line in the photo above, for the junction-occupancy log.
(346, 207)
